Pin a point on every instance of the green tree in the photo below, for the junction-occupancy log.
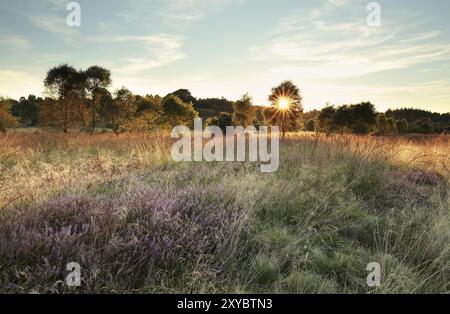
(310, 126)
(244, 113)
(27, 110)
(259, 119)
(392, 127)
(402, 126)
(362, 117)
(149, 113)
(148, 102)
(382, 124)
(342, 119)
(426, 126)
(325, 120)
(212, 107)
(222, 121)
(119, 111)
(185, 96)
(97, 80)
(176, 112)
(60, 83)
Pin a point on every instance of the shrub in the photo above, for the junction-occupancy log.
(148, 233)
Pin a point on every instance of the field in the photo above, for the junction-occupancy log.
(137, 222)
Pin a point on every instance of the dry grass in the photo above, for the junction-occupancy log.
(335, 204)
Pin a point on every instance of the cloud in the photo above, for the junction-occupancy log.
(14, 42)
(55, 25)
(159, 50)
(347, 49)
(175, 13)
(335, 57)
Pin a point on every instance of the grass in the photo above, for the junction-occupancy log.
(138, 222)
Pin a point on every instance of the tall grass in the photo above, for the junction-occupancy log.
(138, 222)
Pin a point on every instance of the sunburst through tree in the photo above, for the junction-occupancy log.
(286, 107)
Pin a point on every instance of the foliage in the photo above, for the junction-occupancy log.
(325, 120)
(422, 121)
(244, 113)
(426, 126)
(310, 125)
(222, 121)
(61, 83)
(149, 114)
(176, 112)
(121, 110)
(96, 81)
(27, 110)
(211, 107)
(385, 125)
(81, 99)
(7, 120)
(402, 126)
(185, 96)
(359, 119)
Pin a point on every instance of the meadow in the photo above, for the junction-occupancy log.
(138, 222)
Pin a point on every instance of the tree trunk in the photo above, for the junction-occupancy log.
(93, 116)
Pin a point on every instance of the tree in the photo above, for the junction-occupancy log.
(149, 113)
(310, 126)
(361, 127)
(185, 96)
(402, 126)
(60, 83)
(325, 120)
(27, 110)
(259, 119)
(385, 125)
(106, 110)
(212, 107)
(222, 121)
(421, 121)
(148, 102)
(7, 120)
(176, 112)
(119, 112)
(392, 127)
(342, 119)
(382, 124)
(362, 117)
(426, 126)
(286, 107)
(97, 79)
(244, 112)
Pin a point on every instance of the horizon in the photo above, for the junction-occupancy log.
(231, 47)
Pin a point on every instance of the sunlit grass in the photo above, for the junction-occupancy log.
(336, 204)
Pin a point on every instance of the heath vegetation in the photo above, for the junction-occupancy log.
(138, 222)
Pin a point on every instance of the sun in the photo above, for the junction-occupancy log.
(284, 103)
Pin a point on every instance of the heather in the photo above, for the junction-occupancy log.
(137, 222)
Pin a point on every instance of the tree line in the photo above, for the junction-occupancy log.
(81, 99)
(364, 119)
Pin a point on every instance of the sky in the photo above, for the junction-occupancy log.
(227, 48)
